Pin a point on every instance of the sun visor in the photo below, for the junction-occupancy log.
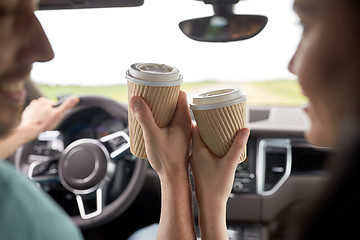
(78, 4)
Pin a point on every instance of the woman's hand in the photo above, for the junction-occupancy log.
(214, 177)
(167, 149)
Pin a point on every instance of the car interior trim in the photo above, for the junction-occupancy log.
(79, 4)
(124, 147)
(99, 205)
(261, 164)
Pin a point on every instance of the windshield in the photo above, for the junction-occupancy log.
(94, 48)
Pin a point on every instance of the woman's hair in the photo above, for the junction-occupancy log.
(335, 212)
(356, 2)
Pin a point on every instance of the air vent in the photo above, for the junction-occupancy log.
(273, 164)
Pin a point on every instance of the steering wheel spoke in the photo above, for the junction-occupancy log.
(43, 172)
(99, 204)
(119, 142)
(43, 162)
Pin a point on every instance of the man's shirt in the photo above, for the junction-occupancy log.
(26, 212)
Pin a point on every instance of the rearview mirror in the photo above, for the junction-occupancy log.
(225, 28)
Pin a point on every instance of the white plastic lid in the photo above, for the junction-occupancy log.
(154, 74)
(218, 99)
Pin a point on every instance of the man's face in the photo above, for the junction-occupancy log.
(22, 42)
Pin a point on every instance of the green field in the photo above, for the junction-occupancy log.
(280, 92)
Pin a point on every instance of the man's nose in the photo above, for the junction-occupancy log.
(34, 44)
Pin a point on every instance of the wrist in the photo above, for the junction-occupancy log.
(21, 134)
(212, 207)
(178, 180)
(210, 199)
(212, 220)
(176, 208)
(24, 133)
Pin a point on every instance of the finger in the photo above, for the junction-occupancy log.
(43, 99)
(238, 145)
(40, 101)
(196, 138)
(143, 115)
(68, 104)
(182, 113)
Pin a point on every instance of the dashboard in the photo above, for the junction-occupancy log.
(90, 123)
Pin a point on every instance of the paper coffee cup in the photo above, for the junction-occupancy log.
(159, 86)
(219, 115)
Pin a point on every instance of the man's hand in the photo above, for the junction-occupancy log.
(39, 116)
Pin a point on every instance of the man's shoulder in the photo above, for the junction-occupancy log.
(29, 213)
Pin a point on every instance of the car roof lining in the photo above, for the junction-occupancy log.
(79, 4)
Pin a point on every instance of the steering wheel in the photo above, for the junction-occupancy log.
(93, 173)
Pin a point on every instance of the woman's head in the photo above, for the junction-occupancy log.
(327, 63)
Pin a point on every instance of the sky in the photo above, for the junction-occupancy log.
(97, 46)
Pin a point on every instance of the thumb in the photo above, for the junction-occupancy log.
(143, 115)
(239, 144)
(196, 138)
